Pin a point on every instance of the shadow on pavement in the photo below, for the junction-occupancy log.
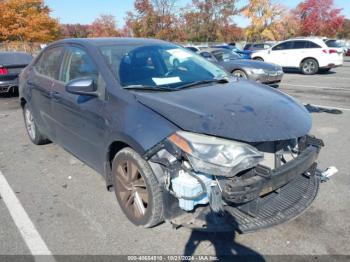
(226, 248)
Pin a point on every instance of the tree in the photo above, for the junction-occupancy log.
(153, 18)
(319, 17)
(265, 17)
(27, 20)
(104, 26)
(74, 31)
(210, 20)
(345, 30)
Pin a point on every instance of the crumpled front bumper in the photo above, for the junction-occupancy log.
(267, 180)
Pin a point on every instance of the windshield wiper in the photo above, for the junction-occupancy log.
(148, 88)
(202, 82)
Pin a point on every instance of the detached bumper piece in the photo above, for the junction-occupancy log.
(275, 208)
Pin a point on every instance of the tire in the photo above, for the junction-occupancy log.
(137, 189)
(33, 130)
(239, 74)
(309, 66)
(258, 59)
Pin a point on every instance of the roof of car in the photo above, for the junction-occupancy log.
(112, 41)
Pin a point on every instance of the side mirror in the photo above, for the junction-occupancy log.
(82, 86)
(269, 51)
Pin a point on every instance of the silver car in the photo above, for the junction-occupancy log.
(262, 72)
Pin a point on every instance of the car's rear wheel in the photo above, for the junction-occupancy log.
(137, 189)
(33, 130)
(309, 66)
(239, 74)
(258, 59)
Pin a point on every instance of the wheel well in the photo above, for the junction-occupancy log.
(114, 148)
(258, 57)
(23, 102)
(308, 58)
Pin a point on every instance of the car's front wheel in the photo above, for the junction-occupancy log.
(239, 74)
(309, 66)
(258, 59)
(137, 189)
(33, 130)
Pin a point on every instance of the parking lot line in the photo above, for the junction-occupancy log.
(25, 226)
(318, 87)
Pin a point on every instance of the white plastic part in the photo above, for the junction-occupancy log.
(184, 185)
(330, 171)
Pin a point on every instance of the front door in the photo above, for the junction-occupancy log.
(80, 125)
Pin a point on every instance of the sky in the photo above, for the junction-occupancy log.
(85, 11)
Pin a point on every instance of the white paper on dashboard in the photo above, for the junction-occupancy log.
(166, 80)
(178, 53)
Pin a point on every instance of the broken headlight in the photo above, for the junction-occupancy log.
(212, 155)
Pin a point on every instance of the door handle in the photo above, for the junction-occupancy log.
(56, 96)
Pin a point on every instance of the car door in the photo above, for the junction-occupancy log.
(280, 54)
(79, 122)
(39, 82)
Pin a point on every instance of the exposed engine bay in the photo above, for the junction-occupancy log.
(249, 179)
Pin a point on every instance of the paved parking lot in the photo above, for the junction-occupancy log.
(67, 202)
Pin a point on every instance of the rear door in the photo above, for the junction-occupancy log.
(280, 54)
(79, 121)
(39, 82)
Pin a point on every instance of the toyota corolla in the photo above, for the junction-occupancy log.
(176, 137)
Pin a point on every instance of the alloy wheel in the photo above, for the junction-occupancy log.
(30, 124)
(309, 67)
(131, 189)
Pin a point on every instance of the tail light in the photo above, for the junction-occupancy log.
(3, 71)
(330, 51)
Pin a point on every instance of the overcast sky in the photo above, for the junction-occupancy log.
(85, 11)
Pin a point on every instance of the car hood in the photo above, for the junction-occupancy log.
(255, 64)
(240, 110)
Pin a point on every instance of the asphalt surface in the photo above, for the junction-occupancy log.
(75, 215)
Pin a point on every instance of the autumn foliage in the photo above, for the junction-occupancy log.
(319, 17)
(198, 21)
(27, 20)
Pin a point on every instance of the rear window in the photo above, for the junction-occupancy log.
(8, 58)
(333, 43)
(49, 63)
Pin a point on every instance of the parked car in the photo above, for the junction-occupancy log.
(257, 46)
(11, 64)
(262, 72)
(186, 143)
(348, 52)
(245, 54)
(337, 45)
(310, 55)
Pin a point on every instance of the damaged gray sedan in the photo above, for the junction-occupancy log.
(176, 137)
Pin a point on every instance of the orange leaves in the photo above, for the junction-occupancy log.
(27, 20)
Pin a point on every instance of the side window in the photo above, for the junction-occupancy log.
(49, 63)
(78, 64)
(299, 44)
(283, 46)
(312, 45)
(206, 55)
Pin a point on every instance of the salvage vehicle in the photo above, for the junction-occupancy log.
(11, 65)
(262, 72)
(308, 54)
(184, 142)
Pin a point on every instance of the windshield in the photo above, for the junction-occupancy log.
(158, 65)
(225, 55)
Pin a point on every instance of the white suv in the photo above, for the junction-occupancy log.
(310, 55)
